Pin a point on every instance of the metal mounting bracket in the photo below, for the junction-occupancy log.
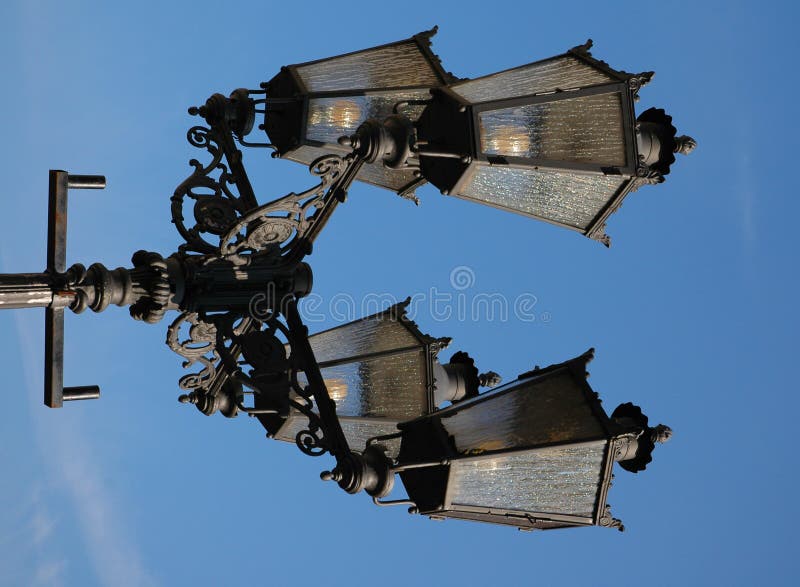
(55, 394)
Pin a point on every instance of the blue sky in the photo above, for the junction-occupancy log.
(692, 310)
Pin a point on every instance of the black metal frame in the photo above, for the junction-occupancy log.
(628, 131)
(429, 347)
(477, 158)
(291, 94)
(624, 84)
(579, 52)
(448, 455)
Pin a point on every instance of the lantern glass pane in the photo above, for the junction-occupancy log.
(402, 64)
(332, 117)
(374, 334)
(573, 199)
(358, 431)
(557, 480)
(564, 73)
(393, 179)
(533, 412)
(390, 386)
(294, 424)
(587, 129)
(374, 173)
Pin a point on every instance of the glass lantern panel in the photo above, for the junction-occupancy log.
(374, 173)
(294, 424)
(564, 73)
(356, 431)
(389, 386)
(573, 199)
(402, 64)
(587, 129)
(333, 117)
(381, 176)
(359, 431)
(559, 480)
(531, 413)
(374, 334)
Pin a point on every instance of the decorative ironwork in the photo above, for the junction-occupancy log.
(685, 144)
(216, 200)
(311, 440)
(198, 347)
(636, 81)
(608, 521)
(275, 227)
(225, 206)
(151, 308)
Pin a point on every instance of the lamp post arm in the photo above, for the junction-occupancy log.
(337, 194)
(225, 205)
(369, 471)
(26, 290)
(301, 348)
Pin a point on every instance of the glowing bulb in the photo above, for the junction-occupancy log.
(507, 139)
(345, 114)
(336, 113)
(337, 389)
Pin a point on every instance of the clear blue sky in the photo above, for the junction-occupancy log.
(692, 311)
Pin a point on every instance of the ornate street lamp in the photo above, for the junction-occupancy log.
(536, 453)
(379, 371)
(311, 105)
(556, 140)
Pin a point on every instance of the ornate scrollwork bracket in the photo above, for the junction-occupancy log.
(237, 236)
(608, 521)
(228, 221)
(198, 347)
(214, 189)
(285, 226)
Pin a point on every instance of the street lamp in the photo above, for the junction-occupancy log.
(536, 453)
(556, 140)
(311, 105)
(379, 371)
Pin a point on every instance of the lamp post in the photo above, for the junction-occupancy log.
(556, 140)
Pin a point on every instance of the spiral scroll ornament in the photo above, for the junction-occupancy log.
(213, 189)
(198, 348)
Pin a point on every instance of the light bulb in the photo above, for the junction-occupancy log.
(508, 139)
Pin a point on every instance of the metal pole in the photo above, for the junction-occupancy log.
(25, 290)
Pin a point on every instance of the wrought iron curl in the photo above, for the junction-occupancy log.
(311, 441)
(199, 347)
(198, 136)
(216, 205)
